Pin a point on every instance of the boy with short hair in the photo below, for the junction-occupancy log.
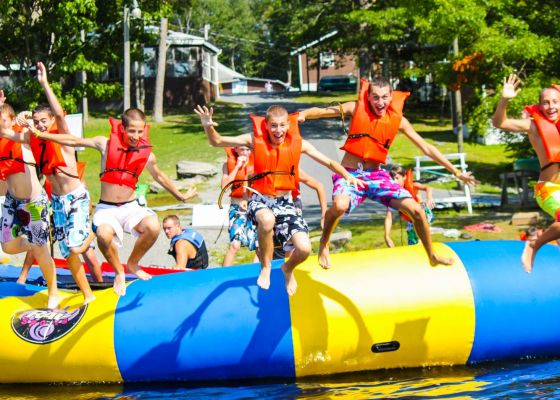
(124, 155)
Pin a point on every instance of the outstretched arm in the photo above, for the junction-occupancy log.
(162, 178)
(500, 119)
(214, 137)
(432, 152)
(97, 142)
(52, 99)
(327, 112)
(311, 151)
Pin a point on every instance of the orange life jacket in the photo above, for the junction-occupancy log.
(370, 136)
(408, 184)
(548, 131)
(48, 155)
(124, 164)
(11, 158)
(280, 164)
(237, 190)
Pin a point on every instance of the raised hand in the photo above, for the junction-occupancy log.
(2, 98)
(205, 115)
(241, 161)
(510, 89)
(42, 73)
(24, 119)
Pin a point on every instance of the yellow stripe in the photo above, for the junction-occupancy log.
(85, 353)
(381, 296)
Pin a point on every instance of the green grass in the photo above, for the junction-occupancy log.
(179, 137)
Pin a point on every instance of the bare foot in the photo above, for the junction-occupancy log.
(88, 300)
(53, 301)
(22, 280)
(291, 284)
(436, 260)
(324, 255)
(139, 272)
(264, 278)
(119, 284)
(527, 257)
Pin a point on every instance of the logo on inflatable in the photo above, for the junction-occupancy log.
(43, 325)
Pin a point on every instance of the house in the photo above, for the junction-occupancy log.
(233, 82)
(191, 74)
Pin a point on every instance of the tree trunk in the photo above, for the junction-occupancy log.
(160, 77)
(458, 106)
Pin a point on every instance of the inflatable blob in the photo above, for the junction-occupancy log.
(377, 309)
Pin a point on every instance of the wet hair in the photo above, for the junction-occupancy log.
(397, 170)
(132, 114)
(173, 218)
(275, 111)
(6, 109)
(379, 81)
(41, 108)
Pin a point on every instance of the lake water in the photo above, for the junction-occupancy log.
(524, 379)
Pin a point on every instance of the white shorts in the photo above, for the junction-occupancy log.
(122, 218)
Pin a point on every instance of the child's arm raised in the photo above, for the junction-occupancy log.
(54, 104)
(214, 138)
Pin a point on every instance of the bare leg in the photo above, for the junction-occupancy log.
(528, 256)
(79, 275)
(332, 216)
(265, 229)
(149, 230)
(105, 235)
(27, 263)
(43, 257)
(422, 228)
(94, 266)
(302, 249)
(231, 252)
(16, 246)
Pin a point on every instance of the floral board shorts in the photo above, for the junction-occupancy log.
(547, 195)
(289, 220)
(380, 187)
(241, 229)
(71, 219)
(411, 235)
(28, 217)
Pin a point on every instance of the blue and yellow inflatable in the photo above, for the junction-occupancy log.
(377, 309)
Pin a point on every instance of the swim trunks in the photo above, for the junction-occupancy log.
(121, 217)
(71, 219)
(289, 220)
(241, 229)
(547, 195)
(380, 187)
(28, 217)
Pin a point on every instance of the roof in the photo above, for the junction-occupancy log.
(228, 75)
(184, 39)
